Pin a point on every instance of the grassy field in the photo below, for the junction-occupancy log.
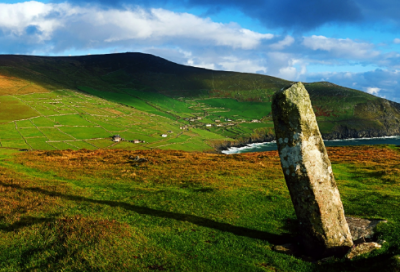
(73, 116)
(248, 110)
(12, 109)
(178, 211)
(79, 202)
(164, 102)
(119, 92)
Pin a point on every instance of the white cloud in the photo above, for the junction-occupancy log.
(289, 73)
(57, 29)
(16, 18)
(382, 83)
(288, 40)
(212, 60)
(93, 25)
(232, 63)
(341, 47)
(373, 90)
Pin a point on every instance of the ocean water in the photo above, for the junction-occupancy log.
(258, 147)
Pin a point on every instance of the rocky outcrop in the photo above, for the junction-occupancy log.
(308, 173)
(343, 132)
(376, 118)
(363, 230)
(363, 234)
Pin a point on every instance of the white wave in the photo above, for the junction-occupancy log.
(237, 150)
(255, 146)
(363, 139)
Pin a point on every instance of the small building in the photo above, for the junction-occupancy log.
(219, 125)
(198, 118)
(217, 121)
(116, 138)
(208, 125)
(170, 131)
(136, 141)
(255, 121)
(228, 120)
(164, 135)
(192, 120)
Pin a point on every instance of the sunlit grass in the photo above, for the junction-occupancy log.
(144, 210)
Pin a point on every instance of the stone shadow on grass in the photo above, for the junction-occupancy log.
(27, 221)
(197, 220)
(381, 262)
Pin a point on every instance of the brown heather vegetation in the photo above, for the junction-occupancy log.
(30, 211)
(320, 111)
(170, 167)
(383, 163)
(15, 201)
(52, 204)
(10, 85)
(44, 194)
(162, 166)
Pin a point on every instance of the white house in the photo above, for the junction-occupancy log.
(164, 135)
(116, 138)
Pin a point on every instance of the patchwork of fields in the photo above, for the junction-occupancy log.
(67, 119)
(74, 102)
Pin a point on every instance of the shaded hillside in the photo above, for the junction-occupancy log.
(194, 97)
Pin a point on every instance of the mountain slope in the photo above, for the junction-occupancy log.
(191, 98)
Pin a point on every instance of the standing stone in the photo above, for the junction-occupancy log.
(308, 174)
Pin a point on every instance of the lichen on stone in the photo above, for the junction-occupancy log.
(308, 172)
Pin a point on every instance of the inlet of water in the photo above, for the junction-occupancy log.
(269, 146)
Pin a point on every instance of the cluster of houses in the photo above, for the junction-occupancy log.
(218, 122)
(117, 138)
(166, 135)
(193, 119)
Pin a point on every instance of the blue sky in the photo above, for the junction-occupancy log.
(354, 43)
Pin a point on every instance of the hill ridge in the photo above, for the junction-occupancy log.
(156, 86)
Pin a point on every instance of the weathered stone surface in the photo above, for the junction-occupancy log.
(362, 229)
(362, 249)
(308, 174)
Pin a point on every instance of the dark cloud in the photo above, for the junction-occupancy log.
(287, 15)
(292, 14)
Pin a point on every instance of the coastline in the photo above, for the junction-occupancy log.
(233, 149)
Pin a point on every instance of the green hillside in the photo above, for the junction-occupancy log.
(76, 102)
